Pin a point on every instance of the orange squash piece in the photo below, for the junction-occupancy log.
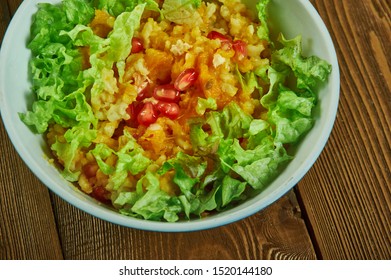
(159, 64)
(102, 23)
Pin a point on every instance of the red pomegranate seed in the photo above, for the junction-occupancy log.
(214, 35)
(147, 115)
(137, 45)
(133, 111)
(168, 109)
(240, 48)
(90, 170)
(186, 79)
(226, 43)
(100, 194)
(143, 91)
(166, 93)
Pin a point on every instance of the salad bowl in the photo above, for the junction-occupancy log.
(292, 18)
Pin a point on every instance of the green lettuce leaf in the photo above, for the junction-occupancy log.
(231, 189)
(248, 81)
(308, 70)
(180, 11)
(189, 177)
(69, 111)
(259, 166)
(290, 128)
(130, 159)
(231, 122)
(257, 163)
(56, 81)
(205, 104)
(55, 67)
(291, 99)
(120, 38)
(154, 204)
(208, 201)
(263, 29)
(101, 152)
(76, 138)
(78, 12)
(276, 78)
(116, 7)
(46, 26)
(259, 129)
(256, 166)
(104, 53)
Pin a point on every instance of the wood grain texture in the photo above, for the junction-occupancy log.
(13, 5)
(27, 225)
(347, 194)
(278, 232)
(4, 18)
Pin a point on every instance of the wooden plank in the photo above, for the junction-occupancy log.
(13, 5)
(347, 194)
(4, 19)
(28, 229)
(278, 232)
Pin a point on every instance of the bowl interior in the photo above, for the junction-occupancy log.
(292, 17)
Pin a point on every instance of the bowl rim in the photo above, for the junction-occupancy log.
(228, 217)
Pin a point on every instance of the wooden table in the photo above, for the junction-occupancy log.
(340, 210)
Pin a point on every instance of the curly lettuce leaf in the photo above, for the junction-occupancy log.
(102, 152)
(188, 171)
(308, 70)
(104, 53)
(248, 81)
(78, 12)
(290, 104)
(46, 26)
(292, 116)
(55, 67)
(257, 163)
(231, 122)
(205, 104)
(130, 159)
(189, 177)
(76, 138)
(257, 166)
(260, 165)
(69, 111)
(259, 129)
(276, 78)
(154, 204)
(117, 7)
(231, 189)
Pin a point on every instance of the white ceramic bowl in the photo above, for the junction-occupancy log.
(292, 17)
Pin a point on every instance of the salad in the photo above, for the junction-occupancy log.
(168, 110)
